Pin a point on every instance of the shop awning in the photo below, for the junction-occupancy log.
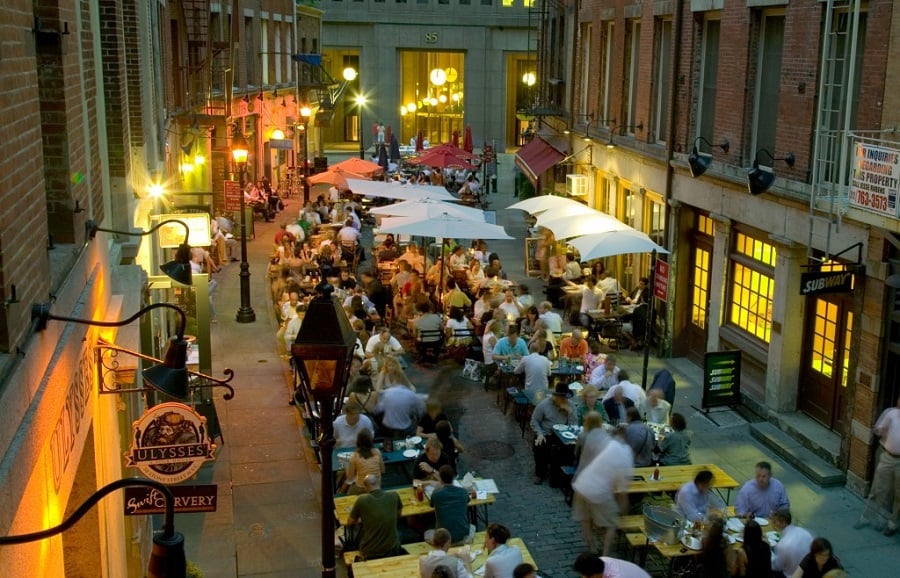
(536, 157)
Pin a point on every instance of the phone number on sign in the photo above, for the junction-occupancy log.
(870, 201)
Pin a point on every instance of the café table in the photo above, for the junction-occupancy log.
(671, 478)
(407, 566)
(413, 507)
(400, 459)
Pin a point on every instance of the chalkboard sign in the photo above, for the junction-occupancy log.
(721, 379)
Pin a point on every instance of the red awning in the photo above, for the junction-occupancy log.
(536, 157)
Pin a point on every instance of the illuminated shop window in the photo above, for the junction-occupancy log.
(700, 291)
(752, 286)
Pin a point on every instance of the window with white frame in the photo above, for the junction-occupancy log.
(586, 46)
(709, 77)
(632, 68)
(768, 81)
(264, 49)
(663, 74)
(752, 289)
(606, 45)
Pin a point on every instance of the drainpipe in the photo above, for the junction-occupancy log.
(677, 25)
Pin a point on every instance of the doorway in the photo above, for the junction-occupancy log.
(826, 358)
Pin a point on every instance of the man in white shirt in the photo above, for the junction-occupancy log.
(792, 547)
(536, 368)
(348, 426)
(293, 327)
(439, 557)
(511, 308)
(632, 391)
(348, 233)
(607, 375)
(550, 317)
(601, 492)
(384, 344)
(351, 214)
(573, 268)
(502, 559)
(592, 566)
(887, 473)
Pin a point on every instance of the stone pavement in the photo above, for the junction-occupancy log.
(269, 513)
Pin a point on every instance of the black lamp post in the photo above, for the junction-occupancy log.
(305, 114)
(239, 152)
(167, 557)
(360, 101)
(321, 354)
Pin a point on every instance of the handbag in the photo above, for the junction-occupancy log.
(473, 370)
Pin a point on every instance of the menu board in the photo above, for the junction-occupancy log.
(721, 379)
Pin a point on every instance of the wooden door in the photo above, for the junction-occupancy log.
(826, 348)
(698, 321)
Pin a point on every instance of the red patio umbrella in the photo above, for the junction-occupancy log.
(419, 142)
(337, 178)
(442, 160)
(456, 151)
(468, 145)
(357, 166)
(455, 140)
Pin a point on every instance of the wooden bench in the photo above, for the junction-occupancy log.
(415, 549)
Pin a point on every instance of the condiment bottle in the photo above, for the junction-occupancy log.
(656, 473)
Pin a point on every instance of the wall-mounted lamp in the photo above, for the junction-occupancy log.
(587, 128)
(167, 558)
(178, 269)
(700, 162)
(760, 178)
(260, 96)
(611, 144)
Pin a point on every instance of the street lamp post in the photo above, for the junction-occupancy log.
(322, 354)
(360, 101)
(305, 114)
(239, 153)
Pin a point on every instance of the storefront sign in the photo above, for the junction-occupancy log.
(233, 196)
(171, 235)
(721, 379)
(283, 144)
(817, 282)
(140, 501)
(169, 443)
(876, 179)
(661, 280)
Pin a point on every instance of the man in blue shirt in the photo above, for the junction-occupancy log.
(762, 495)
(511, 346)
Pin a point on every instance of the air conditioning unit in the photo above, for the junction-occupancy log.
(577, 185)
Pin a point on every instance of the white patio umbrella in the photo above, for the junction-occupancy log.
(429, 208)
(543, 203)
(572, 210)
(578, 225)
(444, 226)
(611, 243)
(398, 191)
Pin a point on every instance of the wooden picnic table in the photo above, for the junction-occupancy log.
(411, 506)
(407, 566)
(673, 477)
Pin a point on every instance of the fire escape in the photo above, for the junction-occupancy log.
(318, 88)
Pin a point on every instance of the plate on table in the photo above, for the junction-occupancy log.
(772, 537)
(761, 521)
(734, 525)
(415, 440)
(691, 543)
(575, 386)
(559, 427)
(410, 453)
(568, 435)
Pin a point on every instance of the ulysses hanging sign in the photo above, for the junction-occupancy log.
(817, 282)
(140, 501)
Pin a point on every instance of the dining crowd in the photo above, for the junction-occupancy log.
(406, 307)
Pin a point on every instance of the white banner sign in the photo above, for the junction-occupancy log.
(876, 179)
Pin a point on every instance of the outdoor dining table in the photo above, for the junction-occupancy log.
(671, 478)
(413, 507)
(407, 566)
(400, 459)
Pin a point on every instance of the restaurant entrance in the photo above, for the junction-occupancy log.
(826, 358)
(701, 263)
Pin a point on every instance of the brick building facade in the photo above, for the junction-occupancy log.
(650, 79)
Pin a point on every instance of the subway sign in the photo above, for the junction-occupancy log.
(826, 282)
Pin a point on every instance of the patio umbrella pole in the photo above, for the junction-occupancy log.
(650, 315)
(441, 288)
